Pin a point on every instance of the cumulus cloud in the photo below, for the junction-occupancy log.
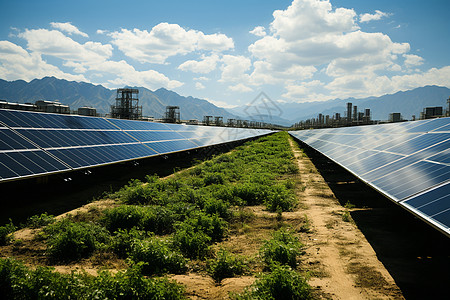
(412, 60)
(373, 17)
(166, 40)
(68, 27)
(206, 65)
(55, 43)
(240, 88)
(199, 86)
(312, 34)
(90, 58)
(258, 31)
(234, 68)
(17, 63)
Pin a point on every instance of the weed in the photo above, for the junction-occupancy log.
(281, 283)
(38, 221)
(225, 265)
(283, 248)
(346, 216)
(6, 233)
(69, 241)
(157, 257)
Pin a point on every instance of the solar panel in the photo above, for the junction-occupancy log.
(409, 162)
(35, 144)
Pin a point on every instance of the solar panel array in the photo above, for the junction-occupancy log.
(409, 162)
(35, 144)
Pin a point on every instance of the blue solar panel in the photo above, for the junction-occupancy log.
(401, 160)
(34, 144)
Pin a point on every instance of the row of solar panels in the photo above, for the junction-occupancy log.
(34, 144)
(409, 162)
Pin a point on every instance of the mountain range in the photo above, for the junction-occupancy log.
(408, 103)
(78, 94)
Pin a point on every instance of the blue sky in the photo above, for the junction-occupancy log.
(229, 51)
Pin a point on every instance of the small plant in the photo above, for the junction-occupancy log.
(279, 197)
(281, 283)
(6, 233)
(69, 241)
(192, 243)
(283, 249)
(157, 257)
(346, 216)
(123, 217)
(225, 265)
(38, 221)
(349, 205)
(122, 242)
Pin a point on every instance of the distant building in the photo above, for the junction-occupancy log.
(349, 112)
(431, 112)
(87, 111)
(395, 117)
(52, 107)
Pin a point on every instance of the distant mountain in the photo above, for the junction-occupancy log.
(78, 94)
(407, 103)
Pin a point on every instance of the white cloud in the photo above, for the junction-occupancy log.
(203, 78)
(206, 65)
(90, 58)
(199, 86)
(373, 17)
(68, 27)
(304, 92)
(166, 40)
(240, 88)
(234, 68)
(310, 34)
(17, 63)
(258, 31)
(412, 60)
(55, 43)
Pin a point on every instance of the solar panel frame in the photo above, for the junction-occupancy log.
(412, 160)
(36, 144)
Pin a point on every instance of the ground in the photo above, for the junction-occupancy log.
(339, 260)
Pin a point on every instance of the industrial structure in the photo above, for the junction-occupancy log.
(127, 105)
(172, 114)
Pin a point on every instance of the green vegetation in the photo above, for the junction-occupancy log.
(6, 233)
(225, 265)
(166, 226)
(19, 282)
(282, 249)
(281, 283)
(41, 220)
(68, 240)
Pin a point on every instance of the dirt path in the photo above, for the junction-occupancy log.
(342, 263)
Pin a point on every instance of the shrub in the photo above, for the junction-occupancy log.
(217, 207)
(213, 178)
(213, 226)
(250, 193)
(123, 217)
(158, 219)
(283, 248)
(122, 241)
(279, 197)
(225, 265)
(192, 243)
(19, 282)
(281, 283)
(70, 241)
(6, 233)
(38, 221)
(131, 284)
(157, 257)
